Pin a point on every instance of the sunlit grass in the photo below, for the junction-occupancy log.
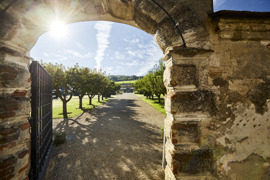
(73, 106)
(126, 82)
(154, 103)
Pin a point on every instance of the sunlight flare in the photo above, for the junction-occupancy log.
(58, 29)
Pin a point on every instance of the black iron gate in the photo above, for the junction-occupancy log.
(41, 120)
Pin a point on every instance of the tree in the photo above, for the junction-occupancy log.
(110, 89)
(158, 87)
(152, 83)
(62, 80)
(93, 85)
(81, 77)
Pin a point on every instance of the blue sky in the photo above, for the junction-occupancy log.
(116, 48)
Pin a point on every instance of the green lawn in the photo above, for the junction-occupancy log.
(73, 106)
(126, 82)
(154, 103)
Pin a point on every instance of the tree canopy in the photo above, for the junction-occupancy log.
(80, 81)
(152, 83)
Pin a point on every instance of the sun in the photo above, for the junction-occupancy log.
(58, 29)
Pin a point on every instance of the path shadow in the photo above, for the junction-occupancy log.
(108, 143)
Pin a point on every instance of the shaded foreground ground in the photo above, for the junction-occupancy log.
(118, 140)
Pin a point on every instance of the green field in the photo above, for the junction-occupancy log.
(154, 103)
(73, 106)
(126, 82)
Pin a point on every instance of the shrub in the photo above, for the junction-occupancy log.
(59, 138)
(162, 132)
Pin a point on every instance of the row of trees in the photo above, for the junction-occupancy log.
(124, 77)
(152, 84)
(80, 81)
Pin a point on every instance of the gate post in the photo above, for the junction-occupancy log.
(14, 113)
(189, 105)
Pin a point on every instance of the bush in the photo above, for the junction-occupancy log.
(162, 132)
(59, 138)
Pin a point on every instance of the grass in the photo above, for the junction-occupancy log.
(73, 106)
(126, 82)
(154, 103)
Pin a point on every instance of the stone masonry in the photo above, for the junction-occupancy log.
(218, 88)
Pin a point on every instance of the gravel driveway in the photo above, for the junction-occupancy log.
(118, 140)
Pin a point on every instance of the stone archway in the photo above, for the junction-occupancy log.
(213, 85)
(24, 21)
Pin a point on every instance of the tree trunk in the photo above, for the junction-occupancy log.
(90, 101)
(159, 99)
(80, 102)
(152, 97)
(65, 109)
(98, 98)
(102, 97)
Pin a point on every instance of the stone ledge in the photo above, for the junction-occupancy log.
(187, 52)
(241, 14)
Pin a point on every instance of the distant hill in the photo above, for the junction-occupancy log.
(117, 78)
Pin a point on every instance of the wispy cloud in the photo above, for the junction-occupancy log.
(118, 55)
(218, 3)
(132, 41)
(148, 54)
(80, 46)
(76, 54)
(45, 54)
(65, 55)
(103, 34)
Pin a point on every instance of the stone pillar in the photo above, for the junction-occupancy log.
(189, 105)
(14, 113)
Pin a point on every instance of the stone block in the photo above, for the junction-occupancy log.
(7, 162)
(24, 126)
(7, 172)
(184, 75)
(9, 138)
(23, 153)
(196, 101)
(7, 131)
(24, 168)
(186, 132)
(194, 162)
(14, 76)
(11, 106)
(7, 146)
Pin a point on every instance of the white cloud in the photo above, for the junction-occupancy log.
(76, 54)
(133, 41)
(152, 55)
(218, 3)
(132, 53)
(118, 55)
(79, 45)
(102, 36)
(45, 54)
(133, 63)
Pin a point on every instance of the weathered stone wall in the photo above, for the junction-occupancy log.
(14, 113)
(239, 76)
(218, 101)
